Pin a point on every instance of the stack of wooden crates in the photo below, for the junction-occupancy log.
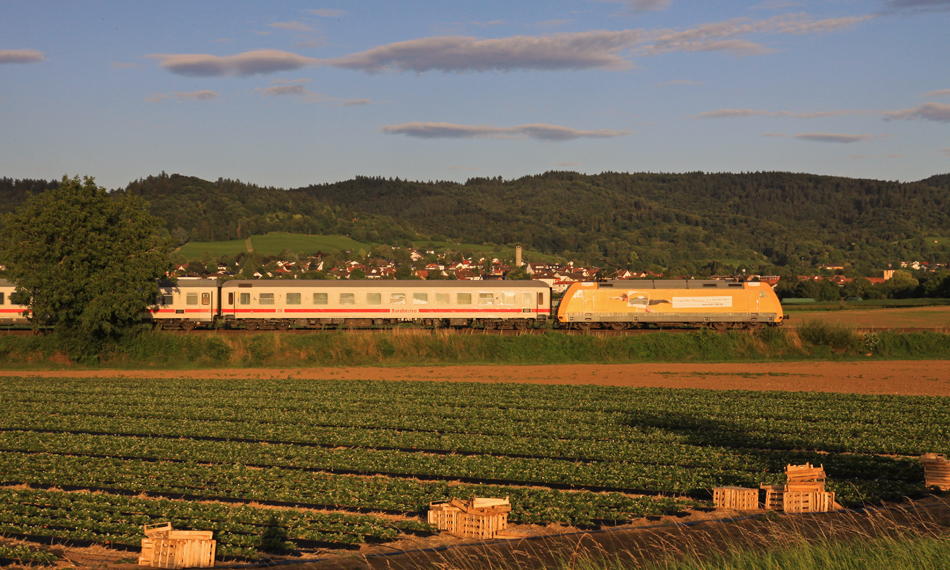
(477, 518)
(803, 492)
(936, 471)
(165, 547)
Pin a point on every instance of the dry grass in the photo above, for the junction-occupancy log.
(785, 541)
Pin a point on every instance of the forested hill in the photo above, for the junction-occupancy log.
(612, 219)
(672, 219)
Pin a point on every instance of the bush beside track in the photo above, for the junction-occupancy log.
(813, 340)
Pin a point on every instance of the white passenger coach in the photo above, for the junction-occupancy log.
(281, 304)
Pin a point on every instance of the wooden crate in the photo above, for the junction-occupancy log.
(808, 501)
(805, 474)
(736, 498)
(484, 525)
(164, 547)
(478, 518)
(774, 496)
(936, 471)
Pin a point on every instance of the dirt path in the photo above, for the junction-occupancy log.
(913, 378)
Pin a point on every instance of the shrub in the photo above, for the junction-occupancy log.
(835, 336)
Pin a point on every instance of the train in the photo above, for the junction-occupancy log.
(315, 304)
(718, 304)
(318, 304)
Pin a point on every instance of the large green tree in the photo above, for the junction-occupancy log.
(88, 262)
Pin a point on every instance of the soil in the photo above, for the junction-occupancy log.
(903, 377)
(532, 545)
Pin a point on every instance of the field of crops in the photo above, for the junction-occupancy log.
(350, 462)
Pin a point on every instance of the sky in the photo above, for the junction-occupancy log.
(294, 93)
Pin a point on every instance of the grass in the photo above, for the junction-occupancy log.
(197, 249)
(874, 539)
(272, 244)
(815, 340)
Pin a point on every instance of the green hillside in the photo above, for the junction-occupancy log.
(687, 223)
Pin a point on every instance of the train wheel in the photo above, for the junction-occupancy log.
(251, 326)
(753, 326)
(188, 326)
(282, 325)
(719, 327)
(521, 325)
(489, 326)
(583, 327)
(618, 326)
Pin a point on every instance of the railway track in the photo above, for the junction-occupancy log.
(504, 332)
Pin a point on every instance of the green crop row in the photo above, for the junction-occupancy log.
(110, 519)
(239, 482)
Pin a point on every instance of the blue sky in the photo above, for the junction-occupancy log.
(294, 93)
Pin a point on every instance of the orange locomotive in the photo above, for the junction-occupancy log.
(624, 304)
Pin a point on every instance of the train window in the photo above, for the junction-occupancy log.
(762, 294)
(526, 298)
(397, 299)
(245, 298)
(293, 298)
(206, 298)
(230, 298)
(347, 298)
(266, 299)
(486, 299)
(420, 298)
(191, 299)
(441, 298)
(1, 298)
(168, 299)
(374, 298)
(320, 298)
(463, 298)
(540, 299)
(506, 299)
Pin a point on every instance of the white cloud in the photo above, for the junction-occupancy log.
(278, 90)
(542, 132)
(572, 51)
(328, 13)
(734, 113)
(918, 5)
(293, 88)
(777, 5)
(725, 36)
(937, 93)
(292, 26)
(204, 95)
(640, 6)
(357, 102)
(242, 64)
(21, 56)
(926, 112)
(647, 5)
(833, 137)
(946, 151)
(598, 49)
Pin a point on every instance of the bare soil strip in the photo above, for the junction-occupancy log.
(901, 377)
